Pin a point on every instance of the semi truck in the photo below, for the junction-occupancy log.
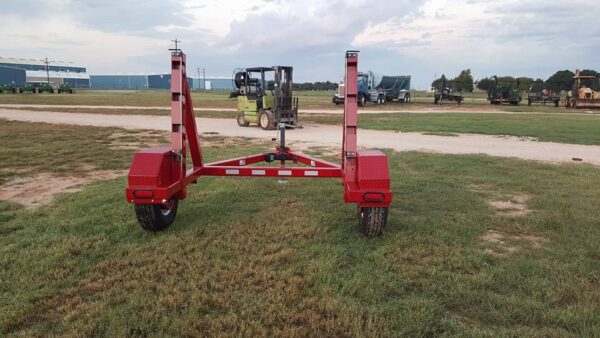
(380, 90)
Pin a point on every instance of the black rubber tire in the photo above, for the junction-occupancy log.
(266, 120)
(362, 100)
(155, 217)
(372, 220)
(241, 121)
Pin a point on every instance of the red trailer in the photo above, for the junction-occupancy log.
(158, 177)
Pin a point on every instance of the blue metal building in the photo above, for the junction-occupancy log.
(57, 72)
(11, 75)
(156, 81)
(119, 82)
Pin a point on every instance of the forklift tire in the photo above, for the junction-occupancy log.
(372, 220)
(266, 120)
(156, 217)
(241, 121)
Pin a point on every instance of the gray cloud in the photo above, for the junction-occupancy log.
(531, 38)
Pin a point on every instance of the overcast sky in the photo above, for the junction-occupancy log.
(418, 37)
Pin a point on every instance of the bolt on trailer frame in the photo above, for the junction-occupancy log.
(158, 177)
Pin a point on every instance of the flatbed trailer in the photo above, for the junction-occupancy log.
(543, 99)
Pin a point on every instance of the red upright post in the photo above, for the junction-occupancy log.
(349, 147)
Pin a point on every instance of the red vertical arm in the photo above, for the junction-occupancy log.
(178, 137)
(182, 112)
(190, 128)
(349, 147)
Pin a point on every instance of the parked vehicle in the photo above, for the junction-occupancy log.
(371, 88)
(28, 88)
(543, 97)
(504, 92)
(267, 103)
(65, 88)
(582, 96)
(445, 92)
(9, 88)
(45, 88)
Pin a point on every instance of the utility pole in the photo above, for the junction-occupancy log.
(47, 70)
(176, 45)
(198, 78)
(203, 77)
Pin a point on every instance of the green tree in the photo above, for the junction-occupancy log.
(464, 81)
(438, 83)
(537, 86)
(485, 84)
(561, 80)
(507, 81)
(524, 83)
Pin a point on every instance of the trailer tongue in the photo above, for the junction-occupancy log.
(158, 177)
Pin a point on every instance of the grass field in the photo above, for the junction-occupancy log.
(233, 263)
(563, 128)
(149, 98)
(579, 129)
(307, 99)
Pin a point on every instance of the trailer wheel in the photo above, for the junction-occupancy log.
(241, 121)
(266, 120)
(372, 220)
(156, 217)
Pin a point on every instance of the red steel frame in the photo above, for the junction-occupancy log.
(160, 174)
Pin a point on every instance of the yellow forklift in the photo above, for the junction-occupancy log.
(267, 102)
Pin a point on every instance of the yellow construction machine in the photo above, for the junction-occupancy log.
(583, 96)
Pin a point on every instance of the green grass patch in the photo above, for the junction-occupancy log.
(578, 129)
(562, 128)
(253, 257)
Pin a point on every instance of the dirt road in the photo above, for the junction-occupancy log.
(327, 135)
(416, 108)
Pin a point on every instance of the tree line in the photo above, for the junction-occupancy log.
(327, 85)
(559, 81)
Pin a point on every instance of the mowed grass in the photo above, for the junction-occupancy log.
(63, 149)
(220, 99)
(562, 128)
(578, 129)
(251, 257)
(150, 98)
